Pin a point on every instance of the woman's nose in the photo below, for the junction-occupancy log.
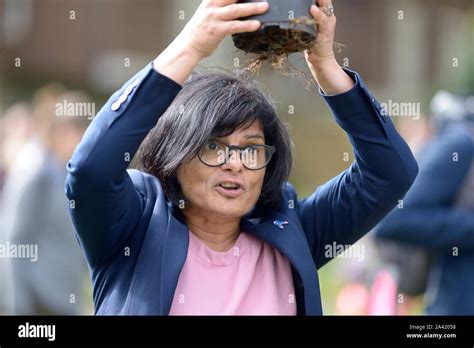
(233, 162)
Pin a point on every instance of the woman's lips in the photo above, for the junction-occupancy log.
(232, 193)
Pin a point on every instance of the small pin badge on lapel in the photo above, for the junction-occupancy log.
(281, 224)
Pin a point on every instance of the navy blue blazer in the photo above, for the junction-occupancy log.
(431, 221)
(136, 242)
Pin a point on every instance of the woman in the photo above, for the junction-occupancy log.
(210, 226)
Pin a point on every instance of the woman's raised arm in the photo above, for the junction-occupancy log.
(348, 206)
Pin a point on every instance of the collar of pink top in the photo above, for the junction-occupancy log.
(216, 258)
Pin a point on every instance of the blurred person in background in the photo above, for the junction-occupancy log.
(15, 131)
(408, 265)
(437, 216)
(36, 215)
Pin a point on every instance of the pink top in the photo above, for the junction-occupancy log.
(251, 278)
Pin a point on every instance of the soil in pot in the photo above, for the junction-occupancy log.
(287, 28)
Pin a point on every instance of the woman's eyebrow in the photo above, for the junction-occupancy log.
(247, 137)
(255, 135)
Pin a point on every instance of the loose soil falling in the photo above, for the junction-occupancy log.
(275, 43)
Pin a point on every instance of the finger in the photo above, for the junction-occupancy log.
(235, 27)
(236, 11)
(322, 20)
(218, 3)
(324, 3)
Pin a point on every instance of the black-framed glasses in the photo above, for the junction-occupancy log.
(254, 157)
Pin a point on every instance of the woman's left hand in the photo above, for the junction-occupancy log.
(320, 58)
(322, 50)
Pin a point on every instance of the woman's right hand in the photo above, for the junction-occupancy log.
(214, 20)
(210, 24)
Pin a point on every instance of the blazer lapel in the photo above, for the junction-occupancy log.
(286, 236)
(163, 253)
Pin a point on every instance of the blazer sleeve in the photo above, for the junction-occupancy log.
(104, 204)
(428, 218)
(351, 204)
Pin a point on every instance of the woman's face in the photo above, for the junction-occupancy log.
(204, 186)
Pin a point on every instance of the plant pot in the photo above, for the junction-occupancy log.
(287, 27)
